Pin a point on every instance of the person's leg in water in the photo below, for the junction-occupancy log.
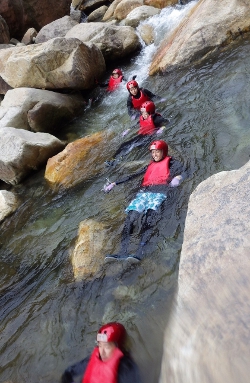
(130, 221)
(127, 146)
(151, 218)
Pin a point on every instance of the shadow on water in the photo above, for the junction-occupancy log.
(48, 321)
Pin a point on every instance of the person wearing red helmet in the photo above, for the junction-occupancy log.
(114, 80)
(162, 173)
(150, 123)
(109, 362)
(137, 96)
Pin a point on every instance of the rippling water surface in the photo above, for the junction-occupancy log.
(47, 321)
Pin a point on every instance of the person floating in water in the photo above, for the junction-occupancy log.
(114, 81)
(150, 123)
(109, 362)
(162, 173)
(137, 96)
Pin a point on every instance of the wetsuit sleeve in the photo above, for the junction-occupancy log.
(130, 106)
(128, 371)
(103, 84)
(148, 93)
(177, 168)
(134, 175)
(159, 120)
(75, 371)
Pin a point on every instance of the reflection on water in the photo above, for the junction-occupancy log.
(49, 322)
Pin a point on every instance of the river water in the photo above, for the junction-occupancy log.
(48, 321)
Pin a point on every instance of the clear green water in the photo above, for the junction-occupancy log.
(47, 321)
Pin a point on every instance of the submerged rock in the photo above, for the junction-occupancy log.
(79, 161)
(87, 256)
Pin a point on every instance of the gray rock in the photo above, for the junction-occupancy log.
(56, 64)
(22, 151)
(38, 110)
(8, 204)
(57, 28)
(207, 339)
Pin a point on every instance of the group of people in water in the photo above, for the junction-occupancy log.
(162, 172)
(109, 361)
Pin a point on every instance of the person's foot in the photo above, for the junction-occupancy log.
(115, 257)
(110, 162)
(133, 259)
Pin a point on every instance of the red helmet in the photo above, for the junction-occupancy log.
(112, 332)
(149, 106)
(159, 145)
(118, 71)
(132, 84)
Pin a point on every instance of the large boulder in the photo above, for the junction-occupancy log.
(8, 204)
(125, 7)
(162, 3)
(114, 42)
(109, 14)
(22, 151)
(208, 336)
(87, 255)
(38, 110)
(23, 14)
(139, 14)
(209, 25)
(4, 31)
(79, 161)
(56, 64)
(57, 28)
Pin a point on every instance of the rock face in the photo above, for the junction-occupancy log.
(4, 31)
(209, 25)
(38, 110)
(57, 64)
(57, 28)
(80, 160)
(21, 15)
(114, 42)
(8, 204)
(87, 256)
(208, 336)
(22, 151)
(139, 14)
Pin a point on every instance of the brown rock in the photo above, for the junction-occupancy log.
(4, 31)
(87, 256)
(21, 15)
(160, 3)
(79, 161)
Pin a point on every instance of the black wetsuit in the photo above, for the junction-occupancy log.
(128, 371)
(140, 139)
(151, 217)
(131, 110)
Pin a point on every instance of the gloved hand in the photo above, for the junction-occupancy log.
(133, 117)
(175, 182)
(160, 131)
(125, 132)
(109, 187)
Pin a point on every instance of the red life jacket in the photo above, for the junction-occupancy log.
(99, 371)
(147, 126)
(114, 83)
(137, 102)
(157, 173)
